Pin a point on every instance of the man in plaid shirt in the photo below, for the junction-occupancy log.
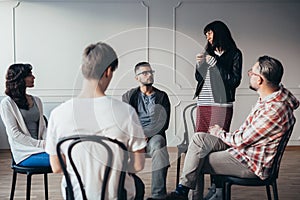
(249, 151)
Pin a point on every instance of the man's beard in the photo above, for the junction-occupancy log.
(252, 88)
(148, 84)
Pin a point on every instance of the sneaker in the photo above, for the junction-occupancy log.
(218, 195)
(211, 192)
(181, 193)
(176, 196)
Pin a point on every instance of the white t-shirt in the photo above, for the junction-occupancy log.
(103, 116)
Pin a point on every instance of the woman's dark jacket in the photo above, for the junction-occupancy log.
(225, 76)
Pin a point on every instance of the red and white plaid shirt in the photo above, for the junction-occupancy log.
(256, 141)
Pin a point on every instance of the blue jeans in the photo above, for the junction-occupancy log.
(157, 149)
(36, 160)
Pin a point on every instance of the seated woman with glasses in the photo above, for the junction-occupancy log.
(22, 115)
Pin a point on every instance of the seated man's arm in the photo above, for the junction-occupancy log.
(137, 161)
(55, 165)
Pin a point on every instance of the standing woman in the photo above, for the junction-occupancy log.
(219, 73)
(22, 115)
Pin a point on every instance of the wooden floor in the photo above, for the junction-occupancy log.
(288, 182)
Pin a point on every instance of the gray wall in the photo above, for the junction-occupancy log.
(169, 33)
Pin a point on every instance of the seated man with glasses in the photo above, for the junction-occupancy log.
(153, 108)
(253, 146)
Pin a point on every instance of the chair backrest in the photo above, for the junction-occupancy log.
(189, 119)
(279, 153)
(87, 142)
(46, 120)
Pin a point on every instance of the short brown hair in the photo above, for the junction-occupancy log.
(96, 59)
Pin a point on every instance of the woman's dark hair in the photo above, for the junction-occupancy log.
(15, 83)
(222, 37)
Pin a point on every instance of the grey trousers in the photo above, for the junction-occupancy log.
(206, 155)
(157, 149)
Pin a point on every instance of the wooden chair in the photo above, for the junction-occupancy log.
(182, 148)
(271, 180)
(106, 144)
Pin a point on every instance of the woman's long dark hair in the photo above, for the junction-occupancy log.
(15, 84)
(222, 37)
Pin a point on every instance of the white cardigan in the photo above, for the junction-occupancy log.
(21, 143)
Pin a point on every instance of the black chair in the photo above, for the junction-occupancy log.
(182, 148)
(106, 144)
(29, 171)
(271, 180)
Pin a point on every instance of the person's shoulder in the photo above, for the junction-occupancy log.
(131, 91)
(36, 98)
(120, 109)
(160, 91)
(6, 101)
(237, 51)
(234, 54)
(119, 104)
(61, 107)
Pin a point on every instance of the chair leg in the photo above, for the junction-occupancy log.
(178, 167)
(28, 186)
(227, 191)
(275, 191)
(46, 185)
(13, 185)
(268, 192)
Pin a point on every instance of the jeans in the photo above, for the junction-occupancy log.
(157, 149)
(36, 160)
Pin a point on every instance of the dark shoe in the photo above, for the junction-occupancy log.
(211, 192)
(218, 195)
(175, 196)
(150, 198)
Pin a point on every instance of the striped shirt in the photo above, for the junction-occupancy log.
(206, 97)
(256, 141)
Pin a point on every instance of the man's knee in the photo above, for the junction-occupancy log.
(204, 141)
(157, 142)
(199, 136)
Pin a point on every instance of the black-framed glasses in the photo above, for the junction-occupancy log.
(250, 73)
(145, 73)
